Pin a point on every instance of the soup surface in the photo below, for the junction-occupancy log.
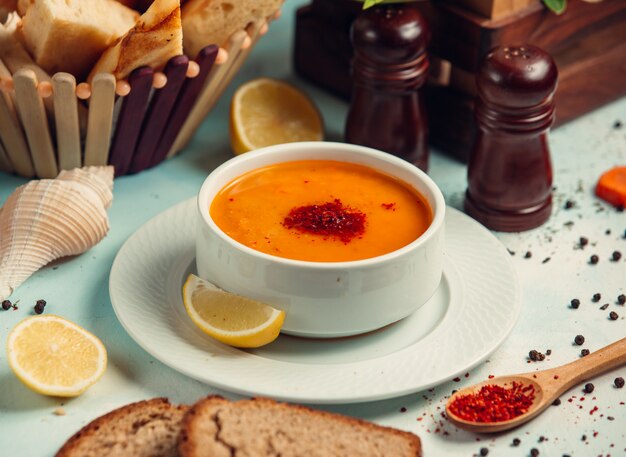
(321, 211)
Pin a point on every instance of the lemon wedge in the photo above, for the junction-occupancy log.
(232, 319)
(264, 112)
(54, 356)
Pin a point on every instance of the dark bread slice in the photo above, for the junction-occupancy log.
(215, 427)
(148, 428)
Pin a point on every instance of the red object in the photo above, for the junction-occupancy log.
(330, 219)
(389, 68)
(493, 403)
(510, 172)
(612, 186)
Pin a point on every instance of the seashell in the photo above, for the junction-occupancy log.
(52, 218)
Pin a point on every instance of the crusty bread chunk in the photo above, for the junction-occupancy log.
(22, 6)
(155, 39)
(70, 35)
(213, 21)
(215, 427)
(147, 428)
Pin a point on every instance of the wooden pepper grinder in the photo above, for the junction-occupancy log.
(389, 67)
(509, 173)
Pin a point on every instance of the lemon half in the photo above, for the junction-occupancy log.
(265, 112)
(54, 356)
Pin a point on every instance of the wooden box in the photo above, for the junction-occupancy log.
(494, 9)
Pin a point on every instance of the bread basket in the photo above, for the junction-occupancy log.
(49, 124)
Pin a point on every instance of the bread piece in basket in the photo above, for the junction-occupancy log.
(213, 21)
(70, 35)
(155, 39)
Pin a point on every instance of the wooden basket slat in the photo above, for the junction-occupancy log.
(186, 100)
(12, 135)
(31, 109)
(5, 163)
(67, 126)
(197, 113)
(158, 113)
(100, 120)
(235, 65)
(130, 119)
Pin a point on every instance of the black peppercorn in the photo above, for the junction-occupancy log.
(516, 442)
(534, 452)
(556, 402)
(589, 388)
(596, 298)
(616, 256)
(613, 315)
(6, 304)
(528, 255)
(484, 451)
(38, 308)
(593, 259)
(536, 356)
(584, 352)
(621, 299)
(579, 340)
(619, 382)
(575, 303)
(583, 241)
(569, 204)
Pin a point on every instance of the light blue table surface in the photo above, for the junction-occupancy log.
(78, 290)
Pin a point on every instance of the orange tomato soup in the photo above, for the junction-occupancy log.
(321, 211)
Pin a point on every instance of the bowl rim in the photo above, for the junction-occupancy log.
(284, 150)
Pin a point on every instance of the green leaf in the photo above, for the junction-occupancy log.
(369, 3)
(558, 6)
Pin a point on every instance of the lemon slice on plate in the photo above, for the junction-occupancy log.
(232, 319)
(54, 356)
(265, 112)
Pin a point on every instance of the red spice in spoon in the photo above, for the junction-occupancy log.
(493, 403)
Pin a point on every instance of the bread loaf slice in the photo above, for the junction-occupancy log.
(148, 428)
(155, 39)
(70, 35)
(213, 21)
(215, 427)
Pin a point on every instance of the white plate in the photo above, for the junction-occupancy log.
(469, 316)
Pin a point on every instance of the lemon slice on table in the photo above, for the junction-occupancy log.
(265, 112)
(54, 356)
(232, 319)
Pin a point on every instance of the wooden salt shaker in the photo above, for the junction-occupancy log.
(389, 67)
(509, 173)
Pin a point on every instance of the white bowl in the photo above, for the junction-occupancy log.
(325, 299)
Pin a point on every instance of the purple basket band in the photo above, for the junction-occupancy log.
(185, 102)
(130, 120)
(159, 112)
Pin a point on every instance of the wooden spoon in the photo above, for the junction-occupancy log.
(549, 385)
